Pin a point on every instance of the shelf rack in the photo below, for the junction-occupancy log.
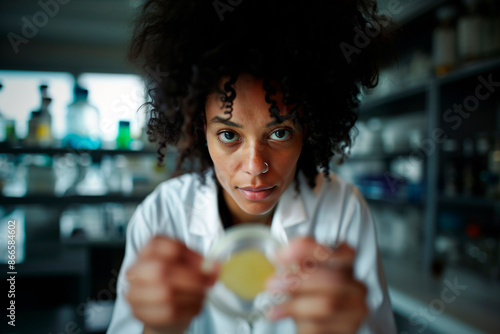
(51, 200)
(408, 297)
(16, 150)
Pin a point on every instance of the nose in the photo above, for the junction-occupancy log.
(256, 163)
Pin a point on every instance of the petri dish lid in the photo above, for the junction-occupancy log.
(246, 254)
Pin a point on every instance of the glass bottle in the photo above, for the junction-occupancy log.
(40, 124)
(10, 132)
(444, 41)
(82, 122)
(469, 37)
(123, 139)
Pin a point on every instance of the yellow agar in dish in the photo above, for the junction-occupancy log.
(246, 273)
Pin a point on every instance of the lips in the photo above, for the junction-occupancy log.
(256, 193)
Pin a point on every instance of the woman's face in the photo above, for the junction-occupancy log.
(249, 143)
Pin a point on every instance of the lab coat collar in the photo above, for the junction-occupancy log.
(206, 222)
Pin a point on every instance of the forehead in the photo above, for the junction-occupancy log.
(250, 100)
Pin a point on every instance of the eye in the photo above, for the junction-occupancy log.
(228, 136)
(281, 134)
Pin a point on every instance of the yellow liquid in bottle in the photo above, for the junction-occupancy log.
(246, 273)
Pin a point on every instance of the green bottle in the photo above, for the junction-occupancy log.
(123, 140)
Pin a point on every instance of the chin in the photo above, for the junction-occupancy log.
(257, 209)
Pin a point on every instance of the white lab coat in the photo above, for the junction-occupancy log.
(182, 208)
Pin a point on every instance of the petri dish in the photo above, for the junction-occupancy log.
(245, 254)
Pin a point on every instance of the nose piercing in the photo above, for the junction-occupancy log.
(267, 168)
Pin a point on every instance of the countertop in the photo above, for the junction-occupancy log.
(459, 302)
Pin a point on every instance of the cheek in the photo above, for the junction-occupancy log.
(292, 155)
(222, 167)
(288, 163)
(219, 159)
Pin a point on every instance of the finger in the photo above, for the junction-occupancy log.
(349, 321)
(306, 252)
(143, 295)
(317, 307)
(160, 246)
(173, 251)
(161, 272)
(170, 250)
(341, 323)
(188, 279)
(320, 282)
(329, 327)
(165, 315)
(147, 272)
(353, 288)
(314, 327)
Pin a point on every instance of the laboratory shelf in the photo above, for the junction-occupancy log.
(385, 156)
(114, 242)
(470, 70)
(62, 151)
(469, 201)
(419, 204)
(50, 200)
(392, 103)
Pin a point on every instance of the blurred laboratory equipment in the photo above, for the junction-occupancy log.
(2, 123)
(95, 222)
(12, 219)
(399, 232)
(41, 178)
(82, 123)
(7, 128)
(469, 28)
(123, 139)
(494, 169)
(444, 41)
(40, 123)
(88, 181)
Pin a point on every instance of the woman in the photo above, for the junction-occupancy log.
(257, 96)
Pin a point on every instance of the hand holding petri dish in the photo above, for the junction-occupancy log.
(245, 255)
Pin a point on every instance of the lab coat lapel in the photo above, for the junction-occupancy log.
(290, 215)
(204, 220)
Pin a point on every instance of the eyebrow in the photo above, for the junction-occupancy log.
(218, 119)
(221, 120)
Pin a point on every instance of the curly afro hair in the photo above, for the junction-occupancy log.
(189, 49)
